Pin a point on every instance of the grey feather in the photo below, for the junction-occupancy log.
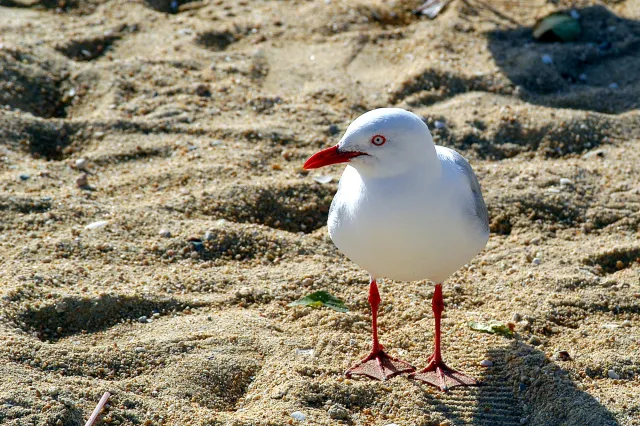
(480, 208)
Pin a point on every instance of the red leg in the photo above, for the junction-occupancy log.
(378, 365)
(437, 373)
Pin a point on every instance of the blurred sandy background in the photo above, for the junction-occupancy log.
(156, 221)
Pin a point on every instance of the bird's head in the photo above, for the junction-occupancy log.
(381, 142)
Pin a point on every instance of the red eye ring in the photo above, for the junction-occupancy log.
(378, 140)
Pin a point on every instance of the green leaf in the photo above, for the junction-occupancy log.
(319, 299)
(556, 27)
(492, 328)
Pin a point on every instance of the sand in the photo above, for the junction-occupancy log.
(156, 220)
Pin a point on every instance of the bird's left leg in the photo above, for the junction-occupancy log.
(378, 365)
(437, 373)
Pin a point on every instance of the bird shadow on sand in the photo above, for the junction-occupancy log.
(599, 71)
(522, 384)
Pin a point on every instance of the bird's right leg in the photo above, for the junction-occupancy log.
(437, 373)
(378, 365)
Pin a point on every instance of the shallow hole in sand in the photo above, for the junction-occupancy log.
(616, 259)
(87, 49)
(73, 315)
(292, 207)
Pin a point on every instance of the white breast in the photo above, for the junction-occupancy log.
(405, 228)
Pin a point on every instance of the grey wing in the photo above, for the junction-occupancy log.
(480, 208)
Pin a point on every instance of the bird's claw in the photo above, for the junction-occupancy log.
(380, 366)
(439, 375)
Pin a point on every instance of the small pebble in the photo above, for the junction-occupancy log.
(582, 77)
(305, 352)
(61, 306)
(142, 319)
(24, 177)
(626, 323)
(299, 416)
(564, 356)
(439, 124)
(333, 130)
(565, 181)
(516, 317)
(245, 292)
(98, 224)
(278, 394)
(165, 233)
(209, 236)
(197, 244)
(613, 375)
(518, 91)
(610, 326)
(534, 341)
(338, 412)
(619, 265)
(536, 261)
(486, 363)
(605, 45)
(82, 181)
(81, 163)
(596, 153)
(547, 59)
(323, 179)
(614, 86)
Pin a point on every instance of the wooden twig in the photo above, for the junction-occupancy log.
(98, 408)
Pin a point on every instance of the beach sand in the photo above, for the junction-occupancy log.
(156, 220)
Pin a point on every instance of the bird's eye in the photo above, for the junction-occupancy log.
(378, 140)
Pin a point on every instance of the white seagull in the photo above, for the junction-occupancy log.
(407, 210)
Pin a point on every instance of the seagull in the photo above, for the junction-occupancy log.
(406, 210)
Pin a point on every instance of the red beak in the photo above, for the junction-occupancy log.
(330, 156)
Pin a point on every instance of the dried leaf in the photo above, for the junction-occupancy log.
(556, 27)
(492, 328)
(319, 299)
